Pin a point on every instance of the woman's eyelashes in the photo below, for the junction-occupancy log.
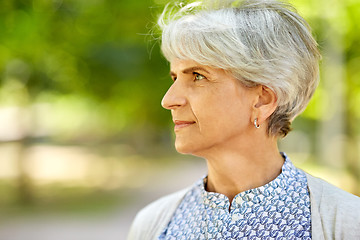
(198, 76)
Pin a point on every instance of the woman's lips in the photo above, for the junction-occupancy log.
(182, 124)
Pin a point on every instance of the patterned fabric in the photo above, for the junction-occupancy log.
(277, 210)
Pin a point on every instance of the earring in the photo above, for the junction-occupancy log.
(256, 124)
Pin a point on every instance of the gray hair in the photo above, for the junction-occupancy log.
(260, 42)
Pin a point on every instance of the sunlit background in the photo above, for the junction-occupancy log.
(84, 142)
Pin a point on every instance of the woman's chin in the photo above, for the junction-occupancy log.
(184, 147)
(190, 149)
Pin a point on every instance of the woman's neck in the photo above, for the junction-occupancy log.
(231, 171)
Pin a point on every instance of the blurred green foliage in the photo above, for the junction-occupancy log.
(94, 59)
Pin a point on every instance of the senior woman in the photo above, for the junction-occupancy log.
(242, 71)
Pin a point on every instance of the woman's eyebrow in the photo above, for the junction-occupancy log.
(191, 70)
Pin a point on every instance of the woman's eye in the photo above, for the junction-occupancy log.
(198, 76)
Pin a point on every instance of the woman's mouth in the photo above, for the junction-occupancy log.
(181, 124)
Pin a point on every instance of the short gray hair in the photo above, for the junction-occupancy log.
(260, 42)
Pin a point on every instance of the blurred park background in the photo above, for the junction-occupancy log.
(84, 142)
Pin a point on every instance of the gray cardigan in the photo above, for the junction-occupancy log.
(335, 214)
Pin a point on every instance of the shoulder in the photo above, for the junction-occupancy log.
(325, 192)
(336, 211)
(150, 221)
(158, 207)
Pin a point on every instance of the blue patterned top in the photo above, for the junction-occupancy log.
(277, 210)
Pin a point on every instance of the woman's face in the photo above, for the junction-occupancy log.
(210, 108)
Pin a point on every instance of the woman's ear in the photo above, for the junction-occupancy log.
(265, 104)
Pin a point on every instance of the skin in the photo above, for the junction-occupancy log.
(214, 118)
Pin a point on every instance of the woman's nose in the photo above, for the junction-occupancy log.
(174, 97)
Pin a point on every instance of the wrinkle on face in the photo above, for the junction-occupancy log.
(218, 103)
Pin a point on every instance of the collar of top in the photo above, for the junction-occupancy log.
(279, 186)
